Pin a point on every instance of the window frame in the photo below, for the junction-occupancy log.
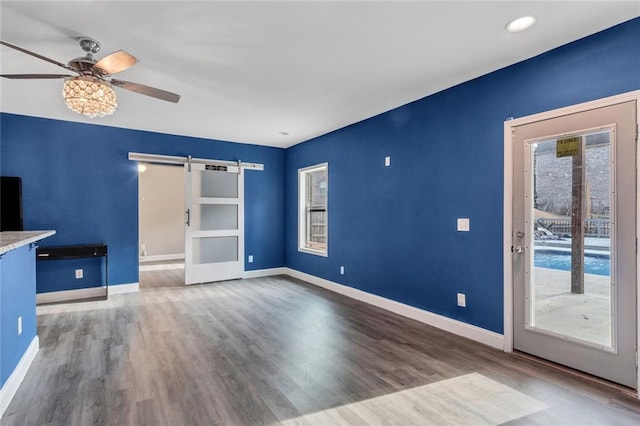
(304, 210)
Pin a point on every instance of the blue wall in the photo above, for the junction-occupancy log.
(78, 181)
(17, 298)
(60, 274)
(394, 229)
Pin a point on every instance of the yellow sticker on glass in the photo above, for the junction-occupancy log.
(567, 147)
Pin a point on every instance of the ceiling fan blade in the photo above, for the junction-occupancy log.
(44, 58)
(34, 76)
(115, 62)
(147, 90)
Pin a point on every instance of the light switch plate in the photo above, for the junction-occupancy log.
(79, 273)
(387, 161)
(463, 224)
(462, 300)
(250, 258)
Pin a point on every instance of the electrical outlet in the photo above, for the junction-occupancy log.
(342, 270)
(462, 300)
(250, 258)
(19, 326)
(387, 161)
(79, 273)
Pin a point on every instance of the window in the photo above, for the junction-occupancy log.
(313, 186)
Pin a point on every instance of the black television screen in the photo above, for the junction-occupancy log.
(11, 204)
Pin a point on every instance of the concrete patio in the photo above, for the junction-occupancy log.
(583, 316)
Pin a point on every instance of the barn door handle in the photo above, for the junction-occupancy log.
(188, 213)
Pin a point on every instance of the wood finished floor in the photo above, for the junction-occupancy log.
(276, 350)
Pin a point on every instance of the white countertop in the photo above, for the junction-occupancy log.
(10, 240)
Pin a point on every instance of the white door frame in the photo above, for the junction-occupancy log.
(508, 197)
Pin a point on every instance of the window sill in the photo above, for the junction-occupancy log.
(322, 253)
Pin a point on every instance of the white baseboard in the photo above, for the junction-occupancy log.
(264, 273)
(84, 293)
(459, 328)
(70, 295)
(161, 257)
(160, 266)
(124, 288)
(12, 384)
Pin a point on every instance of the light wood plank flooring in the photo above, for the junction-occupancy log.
(276, 350)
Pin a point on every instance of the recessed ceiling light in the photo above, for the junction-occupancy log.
(283, 133)
(521, 24)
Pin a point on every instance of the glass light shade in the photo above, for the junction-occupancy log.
(89, 96)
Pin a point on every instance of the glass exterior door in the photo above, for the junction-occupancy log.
(214, 234)
(574, 241)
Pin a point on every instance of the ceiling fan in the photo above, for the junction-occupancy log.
(89, 92)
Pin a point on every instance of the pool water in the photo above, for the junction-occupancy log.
(598, 265)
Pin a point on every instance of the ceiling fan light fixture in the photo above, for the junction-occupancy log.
(89, 96)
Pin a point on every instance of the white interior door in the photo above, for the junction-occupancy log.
(214, 225)
(574, 241)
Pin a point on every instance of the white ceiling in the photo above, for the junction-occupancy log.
(249, 70)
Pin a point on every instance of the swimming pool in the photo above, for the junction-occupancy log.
(598, 265)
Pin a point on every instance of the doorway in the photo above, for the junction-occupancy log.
(161, 225)
(212, 215)
(573, 240)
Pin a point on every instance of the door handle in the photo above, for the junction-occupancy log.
(517, 250)
(188, 213)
